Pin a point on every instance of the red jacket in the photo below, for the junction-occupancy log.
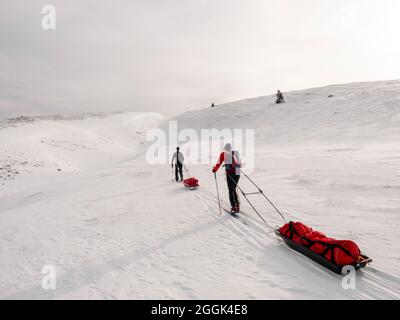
(231, 163)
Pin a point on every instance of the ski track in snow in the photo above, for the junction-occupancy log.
(115, 227)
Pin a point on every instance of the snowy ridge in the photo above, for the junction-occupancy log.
(49, 144)
(342, 113)
(115, 227)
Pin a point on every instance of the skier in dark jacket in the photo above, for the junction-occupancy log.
(178, 159)
(279, 97)
(232, 168)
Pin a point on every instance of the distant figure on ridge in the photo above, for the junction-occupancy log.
(279, 97)
(212, 105)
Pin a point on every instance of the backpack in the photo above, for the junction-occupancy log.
(230, 168)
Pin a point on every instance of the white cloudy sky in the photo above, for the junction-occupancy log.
(174, 55)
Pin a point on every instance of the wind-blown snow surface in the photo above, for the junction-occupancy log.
(115, 227)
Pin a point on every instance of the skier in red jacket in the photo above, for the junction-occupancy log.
(232, 169)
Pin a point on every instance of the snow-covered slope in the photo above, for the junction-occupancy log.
(115, 227)
(345, 113)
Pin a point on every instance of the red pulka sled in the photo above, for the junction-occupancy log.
(331, 253)
(191, 184)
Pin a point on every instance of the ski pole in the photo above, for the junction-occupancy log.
(172, 173)
(219, 201)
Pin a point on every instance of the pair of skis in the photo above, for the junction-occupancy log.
(233, 214)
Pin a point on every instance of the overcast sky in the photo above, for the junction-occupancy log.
(173, 55)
